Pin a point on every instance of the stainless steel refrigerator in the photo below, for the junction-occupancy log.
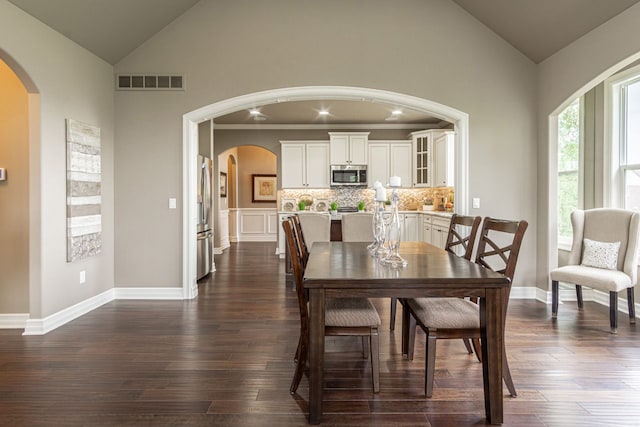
(204, 229)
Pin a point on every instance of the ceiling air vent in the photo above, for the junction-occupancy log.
(150, 82)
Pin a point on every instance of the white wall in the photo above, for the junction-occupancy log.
(570, 73)
(431, 49)
(66, 82)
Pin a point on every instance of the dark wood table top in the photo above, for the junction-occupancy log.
(349, 265)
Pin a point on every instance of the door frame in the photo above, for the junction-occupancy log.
(304, 93)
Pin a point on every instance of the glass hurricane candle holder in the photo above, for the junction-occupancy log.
(393, 257)
(377, 248)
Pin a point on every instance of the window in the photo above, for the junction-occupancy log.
(629, 122)
(624, 97)
(569, 167)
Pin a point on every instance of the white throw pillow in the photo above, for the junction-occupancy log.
(600, 254)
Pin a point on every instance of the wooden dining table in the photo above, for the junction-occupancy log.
(346, 269)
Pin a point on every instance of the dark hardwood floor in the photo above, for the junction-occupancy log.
(226, 359)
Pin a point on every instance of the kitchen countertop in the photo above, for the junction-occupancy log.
(338, 216)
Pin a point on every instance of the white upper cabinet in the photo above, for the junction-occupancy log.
(304, 164)
(400, 161)
(422, 158)
(348, 148)
(389, 158)
(443, 166)
(433, 158)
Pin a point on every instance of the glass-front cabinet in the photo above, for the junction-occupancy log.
(422, 149)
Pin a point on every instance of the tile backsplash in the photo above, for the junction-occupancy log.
(410, 198)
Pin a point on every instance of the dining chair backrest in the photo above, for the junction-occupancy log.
(316, 227)
(499, 247)
(298, 268)
(302, 245)
(357, 227)
(462, 235)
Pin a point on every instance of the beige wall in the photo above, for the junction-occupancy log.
(253, 160)
(430, 49)
(63, 81)
(14, 194)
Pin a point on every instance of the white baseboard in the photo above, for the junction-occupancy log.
(49, 323)
(13, 320)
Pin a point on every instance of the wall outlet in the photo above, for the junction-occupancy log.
(476, 202)
(83, 277)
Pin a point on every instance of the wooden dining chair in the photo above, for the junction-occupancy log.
(460, 241)
(343, 317)
(447, 318)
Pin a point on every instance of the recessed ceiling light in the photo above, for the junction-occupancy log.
(396, 112)
(254, 112)
(323, 112)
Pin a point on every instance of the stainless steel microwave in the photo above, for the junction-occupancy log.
(348, 175)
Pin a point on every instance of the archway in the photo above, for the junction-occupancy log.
(19, 234)
(190, 146)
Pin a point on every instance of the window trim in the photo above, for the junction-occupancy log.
(613, 170)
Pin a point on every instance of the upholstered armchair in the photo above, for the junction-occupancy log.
(604, 256)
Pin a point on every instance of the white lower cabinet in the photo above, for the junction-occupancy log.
(439, 231)
(281, 238)
(411, 228)
(426, 228)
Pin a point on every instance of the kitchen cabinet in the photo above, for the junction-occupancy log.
(389, 158)
(443, 166)
(426, 228)
(433, 158)
(411, 227)
(281, 238)
(348, 148)
(422, 144)
(304, 164)
(439, 231)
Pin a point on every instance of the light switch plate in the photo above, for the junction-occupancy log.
(476, 203)
(172, 203)
(3, 174)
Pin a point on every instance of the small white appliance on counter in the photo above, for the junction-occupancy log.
(204, 230)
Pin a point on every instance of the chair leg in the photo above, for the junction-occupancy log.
(506, 375)
(405, 332)
(613, 311)
(579, 295)
(411, 337)
(632, 305)
(392, 322)
(297, 355)
(302, 363)
(365, 347)
(430, 364)
(375, 359)
(467, 345)
(477, 348)
(554, 298)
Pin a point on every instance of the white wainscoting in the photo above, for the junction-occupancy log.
(233, 225)
(257, 225)
(222, 242)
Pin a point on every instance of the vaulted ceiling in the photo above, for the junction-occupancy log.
(112, 29)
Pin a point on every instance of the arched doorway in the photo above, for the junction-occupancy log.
(19, 233)
(190, 146)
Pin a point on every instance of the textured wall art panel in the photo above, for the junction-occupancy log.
(84, 202)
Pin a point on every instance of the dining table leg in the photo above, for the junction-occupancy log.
(492, 330)
(316, 354)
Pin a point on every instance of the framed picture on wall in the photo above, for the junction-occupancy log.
(264, 188)
(223, 184)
